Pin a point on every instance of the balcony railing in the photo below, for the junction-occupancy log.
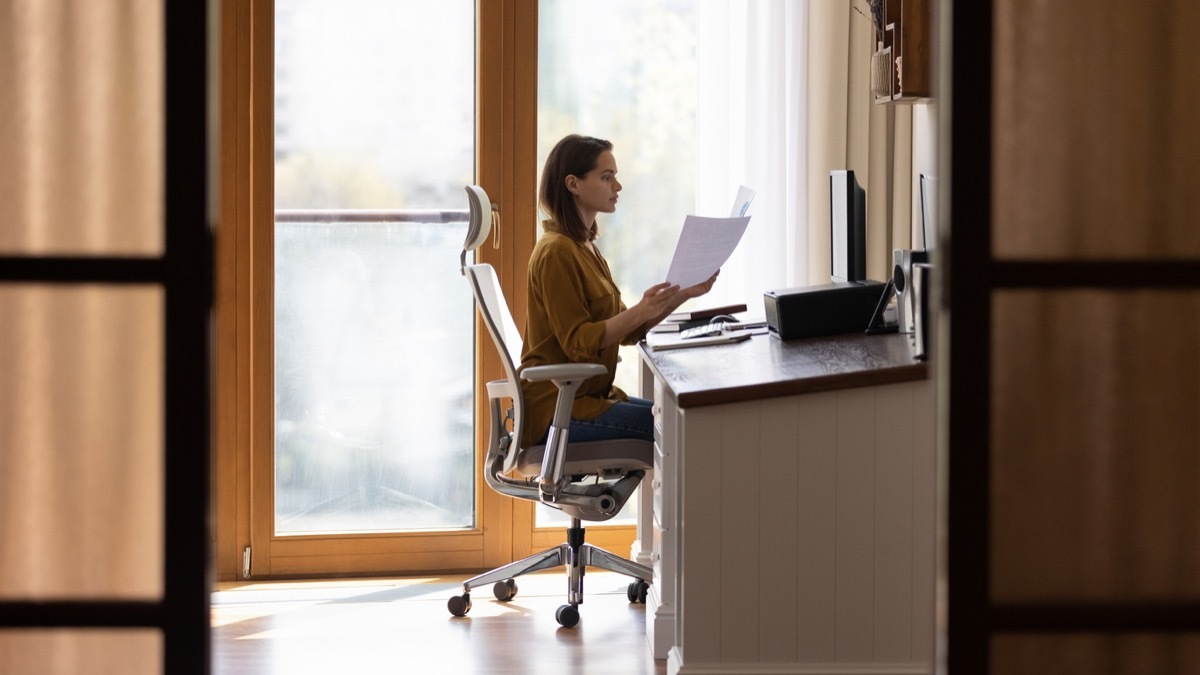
(370, 216)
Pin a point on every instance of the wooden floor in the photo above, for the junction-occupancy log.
(402, 626)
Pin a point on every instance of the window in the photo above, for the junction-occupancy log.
(374, 141)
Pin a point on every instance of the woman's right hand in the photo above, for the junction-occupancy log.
(657, 299)
(655, 303)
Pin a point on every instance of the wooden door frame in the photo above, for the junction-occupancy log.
(975, 274)
(176, 618)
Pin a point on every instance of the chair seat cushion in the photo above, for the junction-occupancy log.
(593, 457)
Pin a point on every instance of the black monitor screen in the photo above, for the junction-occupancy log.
(928, 211)
(847, 227)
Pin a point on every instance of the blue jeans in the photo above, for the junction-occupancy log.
(625, 419)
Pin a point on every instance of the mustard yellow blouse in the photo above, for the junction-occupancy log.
(571, 294)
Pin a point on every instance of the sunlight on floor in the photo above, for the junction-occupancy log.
(377, 625)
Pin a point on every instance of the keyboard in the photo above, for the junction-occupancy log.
(706, 330)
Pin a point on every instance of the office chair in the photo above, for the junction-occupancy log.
(587, 481)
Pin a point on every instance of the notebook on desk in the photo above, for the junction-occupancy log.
(706, 313)
(720, 339)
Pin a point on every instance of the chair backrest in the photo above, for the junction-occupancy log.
(499, 321)
(493, 309)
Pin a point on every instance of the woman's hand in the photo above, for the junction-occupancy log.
(659, 299)
(668, 298)
(700, 288)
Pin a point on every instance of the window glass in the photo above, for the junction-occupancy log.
(374, 344)
(374, 103)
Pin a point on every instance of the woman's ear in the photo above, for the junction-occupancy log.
(572, 183)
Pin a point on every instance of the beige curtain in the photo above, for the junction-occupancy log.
(848, 130)
(81, 401)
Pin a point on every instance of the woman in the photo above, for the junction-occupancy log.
(575, 312)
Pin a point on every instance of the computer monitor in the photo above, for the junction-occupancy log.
(928, 211)
(847, 227)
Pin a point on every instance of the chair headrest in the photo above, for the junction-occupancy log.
(480, 223)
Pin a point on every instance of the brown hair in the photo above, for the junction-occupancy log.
(574, 155)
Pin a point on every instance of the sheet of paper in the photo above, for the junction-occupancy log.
(741, 203)
(704, 245)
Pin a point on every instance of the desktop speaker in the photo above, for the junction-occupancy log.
(922, 292)
(809, 311)
(902, 277)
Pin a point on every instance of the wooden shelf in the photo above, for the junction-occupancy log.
(905, 53)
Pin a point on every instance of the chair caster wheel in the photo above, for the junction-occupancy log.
(568, 616)
(459, 605)
(637, 591)
(505, 590)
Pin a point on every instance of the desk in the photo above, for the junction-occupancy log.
(793, 507)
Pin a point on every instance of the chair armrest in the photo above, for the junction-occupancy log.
(567, 377)
(563, 371)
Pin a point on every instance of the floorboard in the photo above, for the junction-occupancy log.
(402, 625)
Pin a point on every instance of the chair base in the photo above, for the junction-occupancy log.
(574, 555)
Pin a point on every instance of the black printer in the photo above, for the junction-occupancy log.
(825, 309)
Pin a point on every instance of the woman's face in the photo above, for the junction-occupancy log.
(596, 191)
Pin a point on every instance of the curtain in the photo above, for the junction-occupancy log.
(751, 131)
(784, 98)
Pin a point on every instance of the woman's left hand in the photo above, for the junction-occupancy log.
(701, 288)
